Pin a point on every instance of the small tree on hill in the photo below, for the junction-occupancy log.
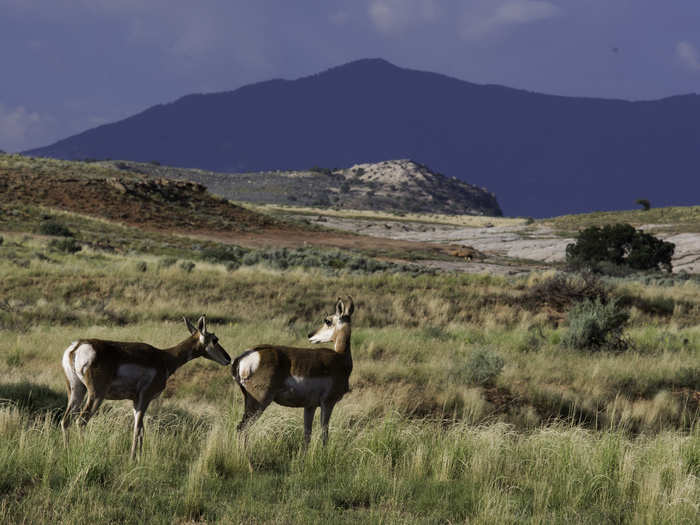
(619, 245)
(644, 203)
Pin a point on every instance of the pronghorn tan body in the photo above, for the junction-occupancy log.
(136, 371)
(299, 377)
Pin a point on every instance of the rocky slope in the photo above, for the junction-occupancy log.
(394, 185)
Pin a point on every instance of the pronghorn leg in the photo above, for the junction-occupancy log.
(76, 395)
(253, 409)
(86, 412)
(137, 441)
(97, 390)
(91, 406)
(326, 411)
(308, 423)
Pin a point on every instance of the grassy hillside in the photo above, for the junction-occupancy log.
(466, 404)
(558, 434)
(678, 219)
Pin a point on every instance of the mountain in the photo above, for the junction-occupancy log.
(542, 155)
(396, 185)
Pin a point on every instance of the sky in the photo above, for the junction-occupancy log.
(70, 65)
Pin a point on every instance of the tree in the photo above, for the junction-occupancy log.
(620, 245)
(644, 203)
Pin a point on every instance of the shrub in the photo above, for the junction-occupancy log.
(531, 341)
(141, 266)
(187, 266)
(561, 290)
(68, 245)
(232, 266)
(621, 245)
(222, 253)
(483, 366)
(1, 240)
(594, 325)
(644, 203)
(167, 262)
(322, 171)
(55, 229)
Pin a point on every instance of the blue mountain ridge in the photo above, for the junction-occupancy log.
(542, 155)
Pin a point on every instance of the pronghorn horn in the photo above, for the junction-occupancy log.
(350, 308)
(190, 326)
(339, 306)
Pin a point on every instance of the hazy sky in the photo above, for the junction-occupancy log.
(68, 65)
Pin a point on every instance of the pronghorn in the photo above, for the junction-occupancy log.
(136, 371)
(299, 377)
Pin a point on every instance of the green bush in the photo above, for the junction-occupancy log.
(530, 342)
(482, 367)
(561, 290)
(222, 253)
(187, 266)
(167, 262)
(332, 260)
(620, 245)
(55, 229)
(644, 203)
(232, 266)
(594, 325)
(68, 245)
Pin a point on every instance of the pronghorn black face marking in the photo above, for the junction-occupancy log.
(209, 346)
(299, 377)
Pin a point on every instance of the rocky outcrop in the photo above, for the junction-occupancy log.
(394, 185)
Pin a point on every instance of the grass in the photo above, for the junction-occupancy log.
(676, 219)
(473, 221)
(466, 405)
(397, 470)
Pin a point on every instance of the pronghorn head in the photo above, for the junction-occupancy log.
(207, 343)
(333, 324)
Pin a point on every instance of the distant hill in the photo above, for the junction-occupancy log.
(397, 185)
(130, 198)
(542, 155)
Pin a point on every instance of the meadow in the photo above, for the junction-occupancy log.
(466, 405)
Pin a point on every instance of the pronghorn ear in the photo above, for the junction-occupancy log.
(339, 306)
(350, 308)
(190, 326)
(202, 324)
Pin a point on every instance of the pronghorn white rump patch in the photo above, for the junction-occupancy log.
(84, 355)
(248, 365)
(68, 367)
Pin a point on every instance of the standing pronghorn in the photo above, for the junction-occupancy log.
(136, 371)
(299, 377)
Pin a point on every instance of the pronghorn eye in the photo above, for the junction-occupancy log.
(327, 321)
